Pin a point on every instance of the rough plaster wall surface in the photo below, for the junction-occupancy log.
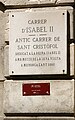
(60, 100)
(72, 47)
(1, 99)
(2, 44)
(65, 1)
(1, 118)
(24, 2)
(6, 60)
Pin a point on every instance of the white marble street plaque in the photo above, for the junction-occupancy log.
(38, 43)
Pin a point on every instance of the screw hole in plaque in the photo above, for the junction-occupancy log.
(63, 13)
(12, 15)
(63, 71)
(12, 72)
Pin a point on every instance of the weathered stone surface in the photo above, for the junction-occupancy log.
(6, 60)
(6, 26)
(1, 99)
(72, 66)
(2, 44)
(39, 118)
(1, 118)
(60, 100)
(2, 29)
(12, 2)
(1, 64)
(32, 2)
(46, 1)
(65, 1)
(24, 2)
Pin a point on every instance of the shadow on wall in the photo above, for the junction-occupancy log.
(2, 7)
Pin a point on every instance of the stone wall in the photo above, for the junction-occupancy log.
(12, 103)
(26, 2)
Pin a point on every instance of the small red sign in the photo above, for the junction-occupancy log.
(36, 89)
